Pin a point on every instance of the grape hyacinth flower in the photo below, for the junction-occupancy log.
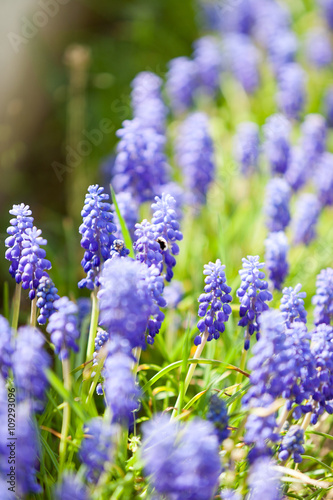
(328, 106)
(32, 265)
(128, 208)
(253, 293)
(282, 48)
(247, 147)
(207, 56)
(291, 90)
(155, 283)
(177, 192)
(313, 140)
(6, 347)
(63, 327)
(141, 164)
(182, 83)
(297, 172)
(264, 481)
(118, 249)
(47, 293)
(101, 339)
(97, 231)
(318, 48)
(270, 19)
(218, 414)
(146, 246)
(30, 362)
(277, 202)
(292, 305)
(84, 310)
(323, 179)
(125, 300)
(305, 220)
(169, 450)
(121, 392)
(166, 227)
(276, 258)
(22, 220)
(323, 300)
(214, 308)
(97, 448)
(327, 8)
(243, 58)
(292, 444)
(195, 156)
(70, 488)
(228, 494)
(277, 130)
(147, 101)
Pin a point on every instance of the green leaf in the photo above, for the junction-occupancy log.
(50, 453)
(327, 467)
(323, 434)
(125, 232)
(64, 393)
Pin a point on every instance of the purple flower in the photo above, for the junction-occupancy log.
(247, 147)
(298, 168)
(140, 164)
(327, 8)
(218, 414)
(84, 309)
(323, 300)
(177, 192)
(13, 242)
(63, 327)
(97, 447)
(328, 106)
(292, 305)
(253, 295)
(182, 83)
(147, 101)
(121, 391)
(6, 347)
(125, 300)
(146, 246)
(277, 202)
(271, 18)
(243, 60)
(276, 258)
(187, 453)
(282, 48)
(291, 90)
(32, 265)
(46, 295)
(313, 141)
(128, 208)
(195, 156)
(292, 444)
(305, 219)
(318, 47)
(155, 283)
(208, 59)
(323, 179)
(228, 494)
(214, 308)
(30, 362)
(277, 130)
(70, 488)
(264, 481)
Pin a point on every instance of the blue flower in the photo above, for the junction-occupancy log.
(247, 147)
(298, 168)
(187, 453)
(6, 347)
(327, 8)
(291, 90)
(155, 282)
(214, 308)
(195, 156)
(277, 202)
(305, 220)
(118, 249)
(147, 100)
(277, 145)
(97, 447)
(46, 295)
(264, 481)
(282, 48)
(313, 140)
(16, 230)
(182, 83)
(30, 362)
(128, 208)
(228, 494)
(253, 294)
(276, 258)
(271, 18)
(208, 59)
(97, 231)
(218, 414)
(243, 59)
(323, 300)
(323, 179)
(328, 106)
(173, 294)
(292, 305)
(140, 164)
(63, 327)
(84, 309)
(146, 246)
(292, 444)
(71, 488)
(318, 48)
(125, 300)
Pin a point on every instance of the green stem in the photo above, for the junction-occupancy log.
(93, 325)
(33, 315)
(16, 305)
(189, 375)
(239, 378)
(66, 416)
(283, 418)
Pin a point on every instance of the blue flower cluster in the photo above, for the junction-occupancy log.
(147, 101)
(292, 444)
(242, 58)
(298, 168)
(6, 347)
(71, 487)
(323, 299)
(182, 83)
(253, 294)
(218, 414)
(292, 305)
(207, 56)
(47, 293)
(276, 258)
(277, 130)
(247, 147)
(264, 481)
(324, 179)
(305, 219)
(277, 202)
(318, 48)
(214, 308)
(63, 327)
(313, 140)
(22, 220)
(291, 90)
